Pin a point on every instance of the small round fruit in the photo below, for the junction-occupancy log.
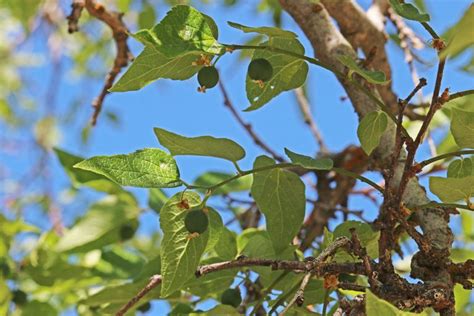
(196, 221)
(126, 232)
(19, 297)
(208, 77)
(144, 307)
(260, 69)
(231, 297)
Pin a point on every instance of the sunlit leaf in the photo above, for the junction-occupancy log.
(185, 29)
(180, 254)
(461, 35)
(200, 146)
(146, 168)
(461, 167)
(462, 127)
(452, 189)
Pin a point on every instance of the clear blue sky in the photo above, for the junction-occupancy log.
(176, 106)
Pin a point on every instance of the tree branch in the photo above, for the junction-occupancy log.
(308, 118)
(316, 267)
(248, 127)
(120, 34)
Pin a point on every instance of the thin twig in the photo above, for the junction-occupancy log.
(155, 280)
(298, 298)
(460, 94)
(248, 127)
(316, 267)
(444, 156)
(75, 15)
(308, 118)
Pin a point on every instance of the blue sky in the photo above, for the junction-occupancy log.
(178, 107)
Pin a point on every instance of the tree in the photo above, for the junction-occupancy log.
(283, 236)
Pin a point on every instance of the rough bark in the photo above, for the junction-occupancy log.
(328, 43)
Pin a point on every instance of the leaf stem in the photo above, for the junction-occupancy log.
(284, 165)
(430, 30)
(354, 175)
(436, 204)
(460, 94)
(443, 156)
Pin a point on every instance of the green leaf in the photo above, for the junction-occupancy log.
(99, 226)
(258, 245)
(216, 226)
(180, 255)
(156, 199)
(213, 177)
(147, 16)
(371, 129)
(452, 189)
(288, 72)
(460, 36)
(309, 162)
(200, 146)
(82, 177)
(409, 11)
(460, 168)
(376, 77)
(280, 196)
(462, 127)
(226, 247)
(375, 306)
(463, 298)
(368, 237)
(146, 168)
(185, 29)
(38, 308)
(212, 284)
(152, 65)
(264, 30)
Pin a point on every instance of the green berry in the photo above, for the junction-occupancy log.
(231, 297)
(144, 307)
(208, 77)
(260, 69)
(19, 297)
(126, 232)
(196, 221)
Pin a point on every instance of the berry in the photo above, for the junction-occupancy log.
(144, 307)
(19, 297)
(126, 232)
(231, 297)
(196, 221)
(208, 77)
(260, 70)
